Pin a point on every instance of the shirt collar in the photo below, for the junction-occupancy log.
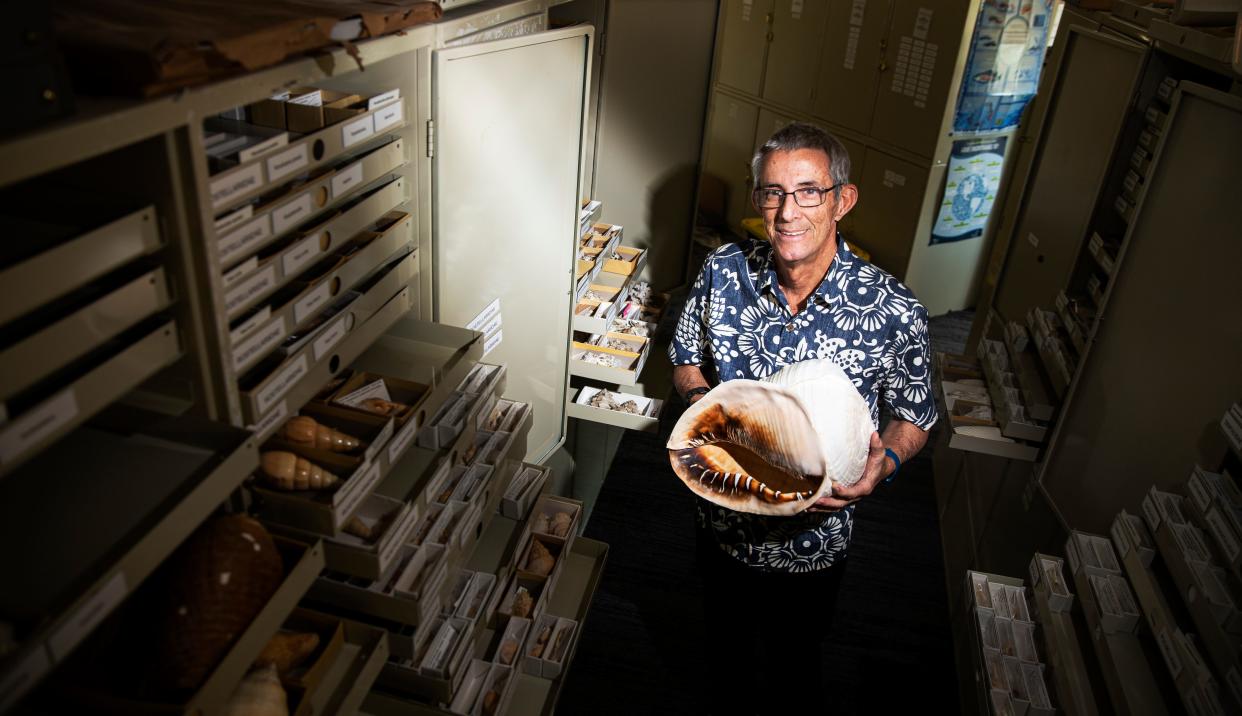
(828, 289)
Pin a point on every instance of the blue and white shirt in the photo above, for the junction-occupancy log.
(737, 320)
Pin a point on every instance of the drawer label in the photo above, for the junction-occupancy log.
(287, 216)
(330, 337)
(234, 219)
(388, 116)
(35, 425)
(347, 180)
(242, 239)
(280, 383)
(287, 162)
(237, 335)
(87, 617)
(259, 344)
(300, 255)
(357, 130)
(492, 342)
(239, 271)
(401, 440)
(311, 302)
(17, 682)
(268, 422)
(399, 534)
(268, 145)
(380, 100)
(235, 184)
(357, 492)
(252, 287)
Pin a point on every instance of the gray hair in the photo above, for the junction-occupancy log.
(800, 135)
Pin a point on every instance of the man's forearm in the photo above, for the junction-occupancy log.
(686, 377)
(904, 438)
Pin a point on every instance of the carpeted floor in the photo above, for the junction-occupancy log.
(890, 647)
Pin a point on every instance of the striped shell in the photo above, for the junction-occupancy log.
(774, 446)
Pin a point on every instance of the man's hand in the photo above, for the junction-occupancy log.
(874, 471)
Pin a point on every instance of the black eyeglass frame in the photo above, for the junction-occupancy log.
(822, 192)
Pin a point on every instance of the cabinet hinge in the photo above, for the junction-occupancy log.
(431, 137)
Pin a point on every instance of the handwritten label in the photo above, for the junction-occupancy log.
(248, 326)
(37, 424)
(239, 271)
(311, 302)
(235, 184)
(288, 215)
(357, 130)
(300, 254)
(241, 240)
(234, 219)
(18, 681)
(380, 100)
(252, 288)
(260, 343)
(269, 422)
(330, 337)
(88, 616)
(280, 383)
(287, 162)
(388, 116)
(267, 145)
(347, 180)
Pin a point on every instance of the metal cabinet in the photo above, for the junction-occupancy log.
(724, 185)
(855, 40)
(743, 44)
(793, 57)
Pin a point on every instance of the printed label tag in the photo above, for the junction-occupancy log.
(235, 184)
(281, 383)
(357, 130)
(18, 681)
(288, 215)
(87, 617)
(237, 298)
(239, 334)
(287, 162)
(374, 389)
(370, 477)
(330, 337)
(259, 344)
(388, 116)
(267, 145)
(300, 254)
(493, 341)
(239, 271)
(313, 98)
(241, 240)
(311, 302)
(485, 316)
(37, 424)
(269, 422)
(346, 180)
(401, 440)
(380, 100)
(233, 219)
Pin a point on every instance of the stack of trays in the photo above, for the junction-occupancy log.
(1014, 675)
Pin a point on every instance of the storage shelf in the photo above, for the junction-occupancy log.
(1064, 655)
(350, 677)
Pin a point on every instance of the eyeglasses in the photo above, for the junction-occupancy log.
(806, 196)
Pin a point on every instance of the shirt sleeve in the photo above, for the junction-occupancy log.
(908, 384)
(690, 337)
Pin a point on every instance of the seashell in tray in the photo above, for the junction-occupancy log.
(776, 445)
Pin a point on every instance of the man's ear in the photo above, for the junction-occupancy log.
(846, 202)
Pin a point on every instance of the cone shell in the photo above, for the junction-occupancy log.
(286, 471)
(774, 446)
(305, 430)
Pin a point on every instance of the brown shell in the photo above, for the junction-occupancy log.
(287, 650)
(305, 430)
(287, 471)
(538, 559)
(217, 582)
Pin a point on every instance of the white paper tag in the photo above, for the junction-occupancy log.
(270, 144)
(492, 342)
(401, 440)
(27, 673)
(311, 302)
(399, 534)
(241, 240)
(36, 424)
(87, 617)
(235, 299)
(388, 116)
(233, 219)
(922, 23)
(357, 130)
(287, 162)
(380, 100)
(235, 184)
(300, 254)
(237, 335)
(330, 337)
(286, 216)
(268, 422)
(239, 272)
(267, 338)
(357, 492)
(313, 98)
(374, 389)
(280, 383)
(346, 180)
(485, 316)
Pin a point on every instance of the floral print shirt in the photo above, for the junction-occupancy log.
(737, 320)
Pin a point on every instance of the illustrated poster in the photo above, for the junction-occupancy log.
(1002, 73)
(970, 190)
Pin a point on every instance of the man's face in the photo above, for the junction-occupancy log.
(800, 234)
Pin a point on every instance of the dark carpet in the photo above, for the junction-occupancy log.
(890, 646)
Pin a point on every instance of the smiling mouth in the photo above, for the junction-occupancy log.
(792, 234)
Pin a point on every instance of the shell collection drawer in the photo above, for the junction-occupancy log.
(964, 395)
(611, 358)
(633, 412)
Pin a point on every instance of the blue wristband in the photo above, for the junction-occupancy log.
(896, 462)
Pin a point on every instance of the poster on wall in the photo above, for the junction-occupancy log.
(970, 189)
(1002, 72)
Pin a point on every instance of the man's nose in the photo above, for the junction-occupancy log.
(789, 208)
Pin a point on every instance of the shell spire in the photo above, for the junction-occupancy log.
(305, 430)
(286, 471)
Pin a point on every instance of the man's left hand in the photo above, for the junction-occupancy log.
(873, 472)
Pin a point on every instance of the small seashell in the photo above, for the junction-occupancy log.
(379, 406)
(507, 650)
(287, 471)
(539, 560)
(522, 603)
(560, 524)
(543, 523)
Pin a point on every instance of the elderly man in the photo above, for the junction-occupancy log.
(757, 306)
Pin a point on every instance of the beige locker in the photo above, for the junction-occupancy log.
(743, 44)
(725, 183)
(849, 71)
(848, 225)
(890, 197)
(1092, 95)
(793, 55)
(769, 123)
(922, 45)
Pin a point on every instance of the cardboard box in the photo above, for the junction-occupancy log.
(625, 261)
(544, 516)
(1115, 603)
(509, 648)
(467, 695)
(362, 387)
(1091, 553)
(496, 691)
(523, 490)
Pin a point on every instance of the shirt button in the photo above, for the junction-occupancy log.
(790, 326)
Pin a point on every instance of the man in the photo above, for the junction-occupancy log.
(757, 306)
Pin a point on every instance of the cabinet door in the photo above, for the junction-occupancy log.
(769, 123)
(890, 197)
(743, 44)
(849, 72)
(1087, 106)
(922, 45)
(725, 182)
(793, 56)
(509, 134)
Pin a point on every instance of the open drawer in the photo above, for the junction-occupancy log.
(964, 396)
(600, 405)
(610, 357)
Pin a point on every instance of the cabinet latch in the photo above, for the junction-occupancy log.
(431, 138)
